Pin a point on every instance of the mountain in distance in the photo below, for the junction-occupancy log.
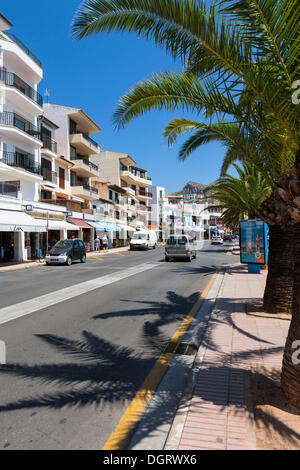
(191, 188)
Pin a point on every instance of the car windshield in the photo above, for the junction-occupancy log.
(177, 241)
(140, 236)
(63, 244)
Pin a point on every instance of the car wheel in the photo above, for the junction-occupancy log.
(167, 259)
(189, 259)
(69, 261)
(83, 259)
(154, 247)
(48, 264)
(195, 256)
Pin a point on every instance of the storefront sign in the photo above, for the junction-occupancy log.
(254, 242)
(29, 208)
(69, 214)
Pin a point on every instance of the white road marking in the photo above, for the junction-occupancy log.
(21, 309)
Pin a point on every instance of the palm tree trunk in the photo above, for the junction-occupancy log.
(290, 376)
(278, 297)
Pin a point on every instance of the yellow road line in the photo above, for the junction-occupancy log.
(120, 436)
(99, 259)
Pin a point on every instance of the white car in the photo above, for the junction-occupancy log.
(143, 240)
(217, 240)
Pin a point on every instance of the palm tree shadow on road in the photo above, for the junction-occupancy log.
(100, 373)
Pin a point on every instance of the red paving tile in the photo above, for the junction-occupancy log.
(216, 418)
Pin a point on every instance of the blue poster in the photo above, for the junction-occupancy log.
(253, 242)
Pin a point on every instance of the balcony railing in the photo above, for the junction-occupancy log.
(21, 160)
(8, 189)
(12, 119)
(50, 176)
(139, 192)
(136, 173)
(49, 143)
(87, 137)
(72, 206)
(14, 80)
(87, 162)
(24, 48)
(84, 186)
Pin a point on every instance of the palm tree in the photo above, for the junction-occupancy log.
(248, 145)
(245, 48)
(238, 197)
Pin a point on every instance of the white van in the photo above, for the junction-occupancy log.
(143, 240)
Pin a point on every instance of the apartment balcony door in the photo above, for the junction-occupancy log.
(61, 178)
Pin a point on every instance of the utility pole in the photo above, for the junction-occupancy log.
(47, 235)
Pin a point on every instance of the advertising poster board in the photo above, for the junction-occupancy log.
(254, 242)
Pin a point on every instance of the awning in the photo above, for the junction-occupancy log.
(105, 226)
(57, 225)
(127, 228)
(79, 222)
(214, 230)
(14, 221)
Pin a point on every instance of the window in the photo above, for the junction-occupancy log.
(161, 195)
(73, 127)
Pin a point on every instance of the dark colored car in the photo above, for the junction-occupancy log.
(67, 251)
(227, 238)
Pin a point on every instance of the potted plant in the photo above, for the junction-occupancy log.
(115, 244)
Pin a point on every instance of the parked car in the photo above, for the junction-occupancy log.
(143, 240)
(217, 240)
(180, 247)
(67, 251)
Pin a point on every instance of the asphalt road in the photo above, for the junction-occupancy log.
(80, 351)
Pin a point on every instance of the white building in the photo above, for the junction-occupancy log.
(120, 171)
(172, 215)
(20, 142)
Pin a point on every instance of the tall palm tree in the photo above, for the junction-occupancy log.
(244, 144)
(240, 196)
(236, 48)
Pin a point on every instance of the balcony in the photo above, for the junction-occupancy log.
(84, 191)
(21, 131)
(132, 176)
(19, 93)
(49, 145)
(84, 144)
(83, 167)
(24, 48)
(22, 160)
(49, 176)
(143, 195)
(72, 206)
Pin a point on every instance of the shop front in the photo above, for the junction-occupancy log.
(16, 228)
(86, 232)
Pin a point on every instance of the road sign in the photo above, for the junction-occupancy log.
(69, 214)
(29, 208)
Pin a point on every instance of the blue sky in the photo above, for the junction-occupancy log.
(94, 73)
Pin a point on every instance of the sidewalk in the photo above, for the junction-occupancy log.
(217, 416)
(13, 266)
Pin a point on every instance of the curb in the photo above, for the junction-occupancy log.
(176, 429)
(158, 423)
